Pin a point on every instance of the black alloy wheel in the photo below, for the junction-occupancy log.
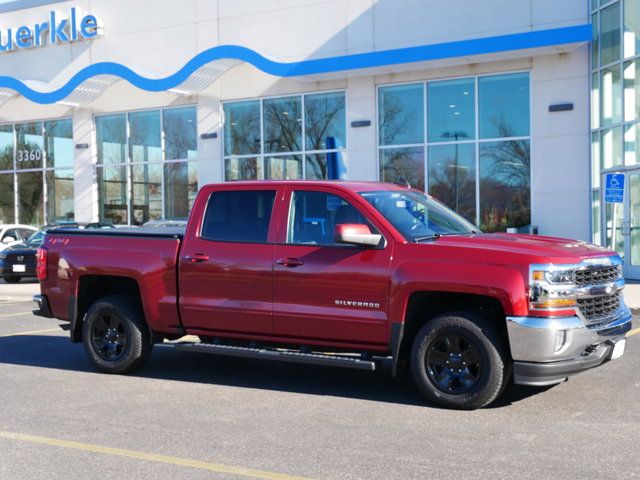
(453, 363)
(459, 360)
(108, 337)
(115, 334)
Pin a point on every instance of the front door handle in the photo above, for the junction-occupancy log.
(290, 262)
(197, 258)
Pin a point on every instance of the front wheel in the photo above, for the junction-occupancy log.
(115, 335)
(458, 360)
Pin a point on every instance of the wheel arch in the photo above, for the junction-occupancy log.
(94, 287)
(424, 305)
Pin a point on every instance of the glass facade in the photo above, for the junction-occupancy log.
(473, 155)
(615, 108)
(145, 167)
(298, 136)
(36, 172)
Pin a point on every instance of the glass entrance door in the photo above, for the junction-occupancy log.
(622, 222)
(631, 226)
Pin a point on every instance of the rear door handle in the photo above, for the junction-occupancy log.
(197, 258)
(290, 262)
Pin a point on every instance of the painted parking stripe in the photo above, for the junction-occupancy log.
(631, 333)
(31, 332)
(9, 303)
(9, 315)
(152, 457)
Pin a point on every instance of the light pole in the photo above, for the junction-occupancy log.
(455, 134)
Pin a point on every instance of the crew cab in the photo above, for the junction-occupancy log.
(349, 274)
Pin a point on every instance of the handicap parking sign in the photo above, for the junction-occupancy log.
(614, 188)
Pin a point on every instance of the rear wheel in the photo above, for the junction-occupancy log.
(11, 279)
(115, 335)
(458, 360)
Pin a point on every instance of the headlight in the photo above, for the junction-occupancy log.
(554, 276)
(552, 287)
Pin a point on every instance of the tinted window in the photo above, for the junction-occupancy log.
(314, 215)
(13, 233)
(24, 233)
(240, 216)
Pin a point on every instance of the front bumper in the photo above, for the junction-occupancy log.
(534, 345)
(6, 270)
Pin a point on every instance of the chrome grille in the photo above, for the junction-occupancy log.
(595, 309)
(596, 275)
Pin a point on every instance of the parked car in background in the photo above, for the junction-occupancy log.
(18, 260)
(166, 223)
(14, 233)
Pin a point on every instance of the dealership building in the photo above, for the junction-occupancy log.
(515, 113)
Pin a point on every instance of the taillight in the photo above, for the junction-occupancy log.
(41, 263)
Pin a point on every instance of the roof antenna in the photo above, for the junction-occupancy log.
(403, 181)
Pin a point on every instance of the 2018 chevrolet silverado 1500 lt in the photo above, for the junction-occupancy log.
(351, 274)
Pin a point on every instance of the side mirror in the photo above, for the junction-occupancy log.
(356, 234)
(8, 240)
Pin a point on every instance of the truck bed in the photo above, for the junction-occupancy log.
(154, 232)
(146, 256)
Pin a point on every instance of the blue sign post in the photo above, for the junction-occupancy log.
(614, 188)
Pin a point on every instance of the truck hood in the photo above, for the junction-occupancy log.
(533, 247)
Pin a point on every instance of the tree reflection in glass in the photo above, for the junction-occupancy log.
(403, 163)
(505, 194)
(30, 200)
(243, 169)
(242, 128)
(180, 133)
(452, 177)
(7, 201)
(282, 124)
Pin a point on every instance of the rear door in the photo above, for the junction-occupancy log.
(226, 264)
(324, 290)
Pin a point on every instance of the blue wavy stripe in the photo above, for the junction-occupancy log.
(519, 41)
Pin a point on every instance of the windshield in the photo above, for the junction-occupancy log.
(416, 216)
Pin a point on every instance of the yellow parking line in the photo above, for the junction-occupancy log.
(631, 333)
(121, 452)
(48, 330)
(16, 314)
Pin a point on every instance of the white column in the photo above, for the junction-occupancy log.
(361, 141)
(210, 164)
(560, 193)
(84, 187)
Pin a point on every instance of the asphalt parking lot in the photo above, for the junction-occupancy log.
(195, 416)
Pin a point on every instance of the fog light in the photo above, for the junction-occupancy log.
(561, 339)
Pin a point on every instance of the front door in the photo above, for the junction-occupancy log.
(326, 291)
(622, 219)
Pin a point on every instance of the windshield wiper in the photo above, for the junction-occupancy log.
(438, 235)
(427, 237)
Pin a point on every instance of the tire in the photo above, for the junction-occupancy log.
(459, 361)
(10, 279)
(115, 335)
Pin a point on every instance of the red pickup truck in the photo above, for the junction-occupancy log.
(348, 274)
